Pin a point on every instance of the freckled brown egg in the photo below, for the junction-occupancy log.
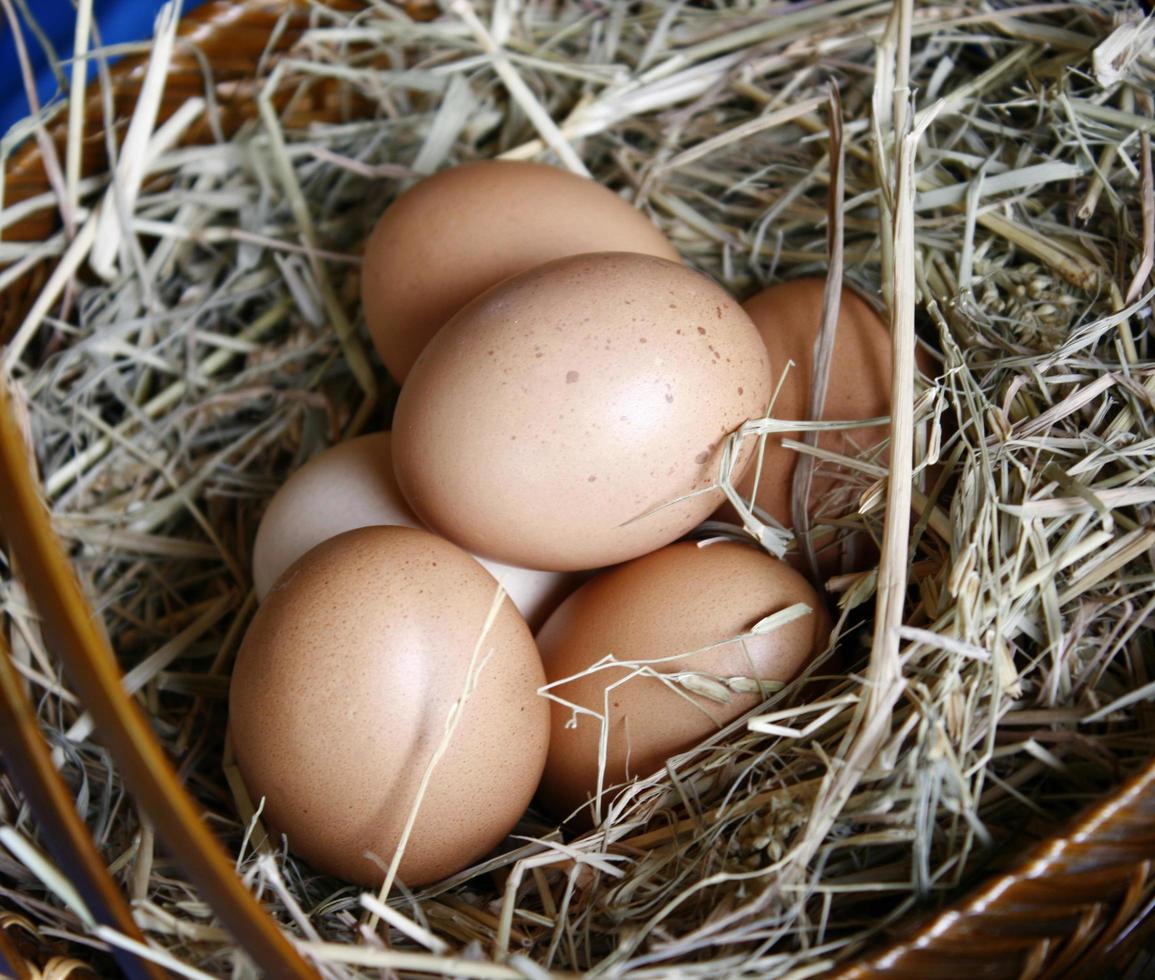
(453, 235)
(666, 608)
(788, 317)
(574, 416)
(342, 691)
(352, 485)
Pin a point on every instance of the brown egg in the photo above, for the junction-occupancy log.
(788, 317)
(675, 608)
(342, 691)
(453, 235)
(564, 419)
(352, 485)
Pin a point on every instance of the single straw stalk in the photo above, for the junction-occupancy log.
(477, 663)
(884, 681)
(823, 351)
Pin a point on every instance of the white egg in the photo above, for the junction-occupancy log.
(352, 485)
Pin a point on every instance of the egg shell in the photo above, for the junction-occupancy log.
(341, 693)
(788, 317)
(453, 235)
(681, 599)
(574, 416)
(351, 485)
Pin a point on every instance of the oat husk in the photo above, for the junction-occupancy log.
(992, 186)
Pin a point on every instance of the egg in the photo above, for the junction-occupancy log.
(453, 235)
(351, 485)
(788, 317)
(676, 611)
(343, 690)
(574, 416)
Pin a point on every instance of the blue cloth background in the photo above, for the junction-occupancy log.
(117, 20)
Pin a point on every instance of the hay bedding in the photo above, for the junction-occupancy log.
(167, 403)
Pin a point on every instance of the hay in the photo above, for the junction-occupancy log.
(994, 168)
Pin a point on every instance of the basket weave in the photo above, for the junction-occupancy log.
(1080, 901)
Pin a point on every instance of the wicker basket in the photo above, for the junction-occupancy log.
(1081, 901)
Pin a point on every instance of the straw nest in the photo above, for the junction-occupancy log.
(984, 169)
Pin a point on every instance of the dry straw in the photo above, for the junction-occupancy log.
(983, 169)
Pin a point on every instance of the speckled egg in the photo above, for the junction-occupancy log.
(674, 613)
(342, 691)
(788, 317)
(351, 485)
(574, 416)
(453, 235)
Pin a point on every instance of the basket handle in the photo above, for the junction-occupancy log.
(70, 631)
(29, 763)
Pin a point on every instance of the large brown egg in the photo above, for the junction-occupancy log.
(352, 485)
(574, 416)
(676, 611)
(788, 317)
(342, 692)
(453, 235)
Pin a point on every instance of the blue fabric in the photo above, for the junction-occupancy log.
(117, 21)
